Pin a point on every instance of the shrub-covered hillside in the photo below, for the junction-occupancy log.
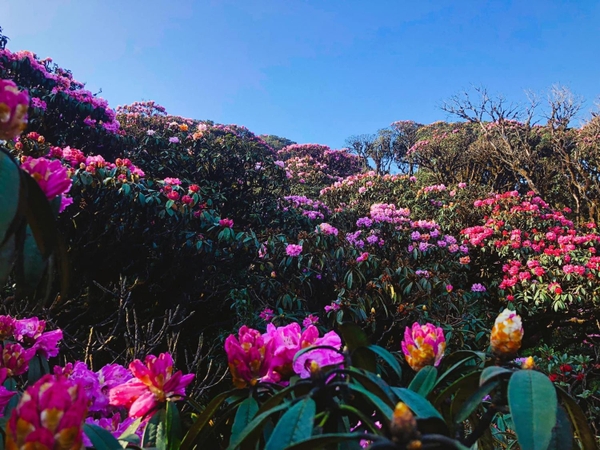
(330, 289)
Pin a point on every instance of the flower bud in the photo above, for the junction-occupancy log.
(404, 424)
(507, 334)
(423, 345)
(528, 364)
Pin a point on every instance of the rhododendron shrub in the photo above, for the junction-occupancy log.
(312, 167)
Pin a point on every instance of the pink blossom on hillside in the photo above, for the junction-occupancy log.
(51, 176)
(293, 250)
(13, 109)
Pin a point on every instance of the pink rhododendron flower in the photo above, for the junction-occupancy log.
(172, 181)
(13, 109)
(312, 361)
(284, 343)
(266, 314)
(7, 327)
(50, 415)
(325, 228)
(154, 383)
(293, 250)
(423, 345)
(226, 223)
(249, 356)
(478, 287)
(310, 320)
(88, 380)
(46, 344)
(38, 103)
(51, 176)
(363, 257)
(15, 358)
(27, 330)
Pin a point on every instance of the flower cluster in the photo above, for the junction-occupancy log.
(273, 356)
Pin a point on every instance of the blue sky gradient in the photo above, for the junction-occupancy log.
(315, 70)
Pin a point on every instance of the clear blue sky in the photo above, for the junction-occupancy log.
(312, 70)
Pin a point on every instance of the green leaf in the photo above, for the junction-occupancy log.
(155, 432)
(7, 258)
(244, 414)
(424, 381)
(173, 426)
(388, 358)
(101, 438)
(489, 373)
(365, 359)
(129, 432)
(255, 427)
(417, 403)
(295, 425)
(533, 404)
(442, 400)
(203, 419)
(33, 264)
(373, 383)
(9, 194)
(36, 369)
(457, 360)
(474, 401)
(381, 405)
(40, 217)
(562, 433)
(353, 336)
(578, 420)
(325, 441)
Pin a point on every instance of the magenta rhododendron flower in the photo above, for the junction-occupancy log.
(30, 329)
(423, 345)
(249, 356)
(47, 344)
(87, 380)
(15, 358)
(50, 415)
(226, 223)
(7, 327)
(154, 383)
(293, 250)
(310, 320)
(13, 109)
(266, 314)
(51, 176)
(174, 181)
(312, 361)
(285, 343)
(363, 257)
